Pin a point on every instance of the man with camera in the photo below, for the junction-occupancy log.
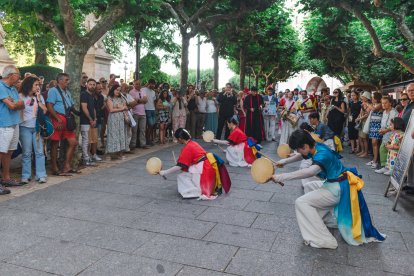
(60, 106)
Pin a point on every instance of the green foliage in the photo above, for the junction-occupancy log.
(150, 69)
(270, 43)
(206, 76)
(48, 72)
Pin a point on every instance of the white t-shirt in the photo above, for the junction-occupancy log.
(211, 106)
(151, 98)
(201, 104)
(29, 113)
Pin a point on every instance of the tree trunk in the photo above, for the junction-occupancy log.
(40, 51)
(256, 81)
(242, 61)
(74, 57)
(185, 44)
(216, 67)
(137, 53)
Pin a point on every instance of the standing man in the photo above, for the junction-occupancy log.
(406, 117)
(228, 103)
(138, 112)
(10, 106)
(150, 110)
(201, 102)
(59, 97)
(253, 104)
(84, 79)
(88, 121)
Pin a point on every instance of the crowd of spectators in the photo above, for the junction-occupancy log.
(116, 118)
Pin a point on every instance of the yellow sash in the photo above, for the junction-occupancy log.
(355, 184)
(338, 144)
(213, 162)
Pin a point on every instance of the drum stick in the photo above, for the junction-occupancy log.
(175, 160)
(221, 148)
(163, 176)
(273, 161)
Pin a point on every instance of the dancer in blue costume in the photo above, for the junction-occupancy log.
(341, 191)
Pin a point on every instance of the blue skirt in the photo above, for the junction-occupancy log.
(211, 122)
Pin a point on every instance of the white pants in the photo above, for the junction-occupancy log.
(189, 182)
(312, 209)
(269, 126)
(235, 155)
(287, 130)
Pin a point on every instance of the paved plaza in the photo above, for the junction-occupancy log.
(122, 221)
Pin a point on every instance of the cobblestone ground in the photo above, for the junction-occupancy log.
(122, 221)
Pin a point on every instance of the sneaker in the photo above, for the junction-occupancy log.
(4, 191)
(370, 163)
(382, 170)
(24, 181)
(374, 165)
(388, 172)
(89, 163)
(42, 180)
(96, 158)
(11, 183)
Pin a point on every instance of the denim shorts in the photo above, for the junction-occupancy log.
(151, 117)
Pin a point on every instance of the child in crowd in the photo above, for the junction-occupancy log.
(394, 143)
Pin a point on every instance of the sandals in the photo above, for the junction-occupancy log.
(62, 174)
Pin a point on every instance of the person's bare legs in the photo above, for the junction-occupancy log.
(5, 164)
(162, 133)
(72, 143)
(94, 147)
(53, 155)
(375, 150)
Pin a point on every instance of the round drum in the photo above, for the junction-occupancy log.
(262, 170)
(208, 136)
(316, 137)
(154, 165)
(283, 150)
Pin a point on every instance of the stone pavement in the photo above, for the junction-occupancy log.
(122, 221)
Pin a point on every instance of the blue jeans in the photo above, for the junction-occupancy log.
(31, 143)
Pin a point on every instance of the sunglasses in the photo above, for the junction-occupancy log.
(104, 81)
(403, 100)
(84, 77)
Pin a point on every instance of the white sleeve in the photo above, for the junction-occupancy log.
(295, 158)
(299, 174)
(221, 142)
(170, 170)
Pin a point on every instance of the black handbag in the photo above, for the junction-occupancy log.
(70, 118)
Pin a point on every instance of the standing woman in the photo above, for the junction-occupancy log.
(374, 127)
(366, 107)
(288, 107)
(325, 105)
(179, 111)
(163, 106)
(253, 105)
(336, 115)
(117, 132)
(354, 110)
(404, 100)
(211, 118)
(31, 141)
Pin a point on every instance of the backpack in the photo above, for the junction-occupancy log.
(44, 125)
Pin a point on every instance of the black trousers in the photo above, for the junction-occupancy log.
(221, 124)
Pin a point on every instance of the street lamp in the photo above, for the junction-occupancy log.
(126, 67)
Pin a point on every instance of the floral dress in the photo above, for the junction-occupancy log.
(395, 140)
(117, 131)
(375, 125)
(164, 114)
